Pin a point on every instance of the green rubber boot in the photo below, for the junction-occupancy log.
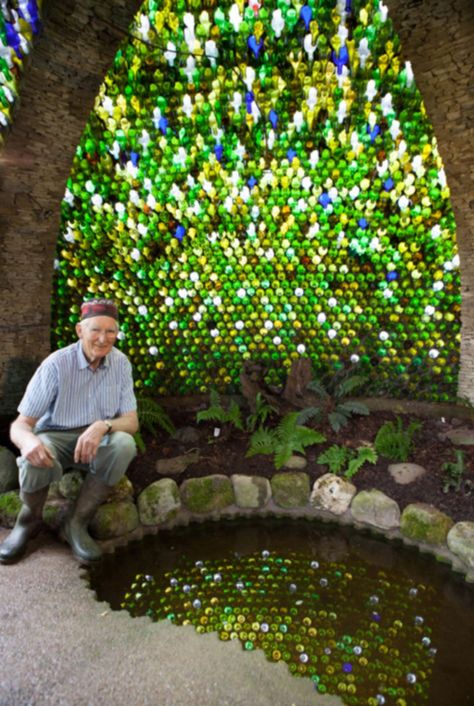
(93, 493)
(28, 524)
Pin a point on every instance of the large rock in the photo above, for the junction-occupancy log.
(55, 512)
(251, 491)
(405, 473)
(186, 435)
(10, 505)
(114, 520)
(123, 490)
(8, 470)
(461, 436)
(461, 542)
(290, 489)
(332, 493)
(296, 463)
(375, 508)
(207, 494)
(424, 523)
(70, 485)
(159, 502)
(178, 464)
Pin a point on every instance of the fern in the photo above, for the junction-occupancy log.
(262, 411)
(348, 385)
(151, 415)
(394, 442)
(335, 457)
(217, 413)
(364, 454)
(454, 471)
(262, 441)
(333, 402)
(140, 443)
(309, 413)
(288, 438)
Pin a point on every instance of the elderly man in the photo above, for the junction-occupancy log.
(79, 409)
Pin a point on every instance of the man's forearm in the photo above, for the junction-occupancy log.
(20, 433)
(127, 423)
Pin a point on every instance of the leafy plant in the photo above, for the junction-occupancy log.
(394, 442)
(454, 471)
(150, 416)
(262, 411)
(287, 438)
(217, 413)
(337, 457)
(333, 403)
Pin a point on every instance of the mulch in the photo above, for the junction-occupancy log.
(226, 455)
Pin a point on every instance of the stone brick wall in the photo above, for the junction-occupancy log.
(78, 43)
(69, 61)
(438, 38)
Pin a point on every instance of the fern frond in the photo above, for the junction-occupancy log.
(234, 415)
(286, 427)
(318, 388)
(308, 413)
(304, 436)
(335, 457)
(140, 444)
(213, 414)
(151, 414)
(337, 420)
(351, 407)
(262, 441)
(282, 455)
(214, 398)
(345, 387)
(365, 454)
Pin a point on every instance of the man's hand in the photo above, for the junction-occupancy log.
(88, 442)
(37, 453)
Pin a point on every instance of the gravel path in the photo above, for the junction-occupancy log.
(60, 647)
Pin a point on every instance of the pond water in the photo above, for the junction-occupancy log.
(371, 621)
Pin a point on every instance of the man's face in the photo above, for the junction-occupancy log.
(98, 335)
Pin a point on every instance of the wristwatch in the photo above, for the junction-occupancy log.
(108, 424)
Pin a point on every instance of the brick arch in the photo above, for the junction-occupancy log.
(58, 91)
(77, 46)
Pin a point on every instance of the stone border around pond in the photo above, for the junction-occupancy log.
(164, 505)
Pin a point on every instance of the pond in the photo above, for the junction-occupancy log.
(371, 621)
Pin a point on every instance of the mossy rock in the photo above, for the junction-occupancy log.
(376, 509)
(10, 504)
(159, 502)
(207, 494)
(114, 520)
(54, 513)
(70, 485)
(290, 489)
(251, 491)
(461, 542)
(123, 490)
(424, 523)
(8, 471)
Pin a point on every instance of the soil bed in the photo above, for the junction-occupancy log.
(226, 455)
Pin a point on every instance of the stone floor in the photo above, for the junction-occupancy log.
(60, 647)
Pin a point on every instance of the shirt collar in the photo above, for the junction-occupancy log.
(82, 361)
